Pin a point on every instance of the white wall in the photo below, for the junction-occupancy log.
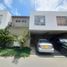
(50, 21)
(5, 19)
(20, 24)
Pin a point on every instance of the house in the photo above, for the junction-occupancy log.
(43, 23)
(5, 19)
(20, 27)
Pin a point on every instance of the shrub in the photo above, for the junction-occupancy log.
(16, 52)
(22, 39)
(4, 32)
(6, 40)
(24, 52)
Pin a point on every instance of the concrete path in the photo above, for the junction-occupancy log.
(33, 61)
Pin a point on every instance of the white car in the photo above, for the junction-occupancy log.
(44, 45)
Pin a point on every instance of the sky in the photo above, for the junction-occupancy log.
(25, 7)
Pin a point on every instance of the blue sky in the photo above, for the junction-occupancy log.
(25, 7)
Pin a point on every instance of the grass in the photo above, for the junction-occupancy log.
(16, 52)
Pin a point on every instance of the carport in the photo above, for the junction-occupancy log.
(34, 36)
(49, 34)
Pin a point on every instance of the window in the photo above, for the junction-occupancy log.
(39, 20)
(62, 20)
(23, 21)
(0, 19)
(18, 21)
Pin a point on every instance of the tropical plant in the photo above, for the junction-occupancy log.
(6, 39)
(22, 39)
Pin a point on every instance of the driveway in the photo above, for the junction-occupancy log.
(33, 61)
(55, 54)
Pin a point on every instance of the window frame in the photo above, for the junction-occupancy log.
(1, 18)
(61, 23)
(37, 20)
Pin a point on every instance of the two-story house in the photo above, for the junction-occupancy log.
(48, 22)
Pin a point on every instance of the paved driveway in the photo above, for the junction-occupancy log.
(33, 61)
(55, 54)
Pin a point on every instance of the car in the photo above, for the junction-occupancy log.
(43, 45)
(63, 42)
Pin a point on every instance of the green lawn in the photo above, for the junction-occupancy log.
(16, 52)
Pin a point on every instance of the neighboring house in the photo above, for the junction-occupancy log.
(20, 21)
(20, 27)
(5, 19)
(48, 22)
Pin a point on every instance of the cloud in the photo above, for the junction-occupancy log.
(50, 5)
(8, 3)
(62, 6)
(2, 7)
(45, 4)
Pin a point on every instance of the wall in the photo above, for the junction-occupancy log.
(5, 19)
(25, 22)
(50, 21)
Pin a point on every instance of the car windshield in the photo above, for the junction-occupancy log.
(64, 41)
(43, 40)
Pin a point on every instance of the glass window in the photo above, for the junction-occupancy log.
(23, 21)
(39, 20)
(18, 21)
(62, 20)
(0, 19)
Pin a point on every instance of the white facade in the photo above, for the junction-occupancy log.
(20, 21)
(5, 19)
(50, 21)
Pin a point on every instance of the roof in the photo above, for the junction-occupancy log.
(20, 16)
